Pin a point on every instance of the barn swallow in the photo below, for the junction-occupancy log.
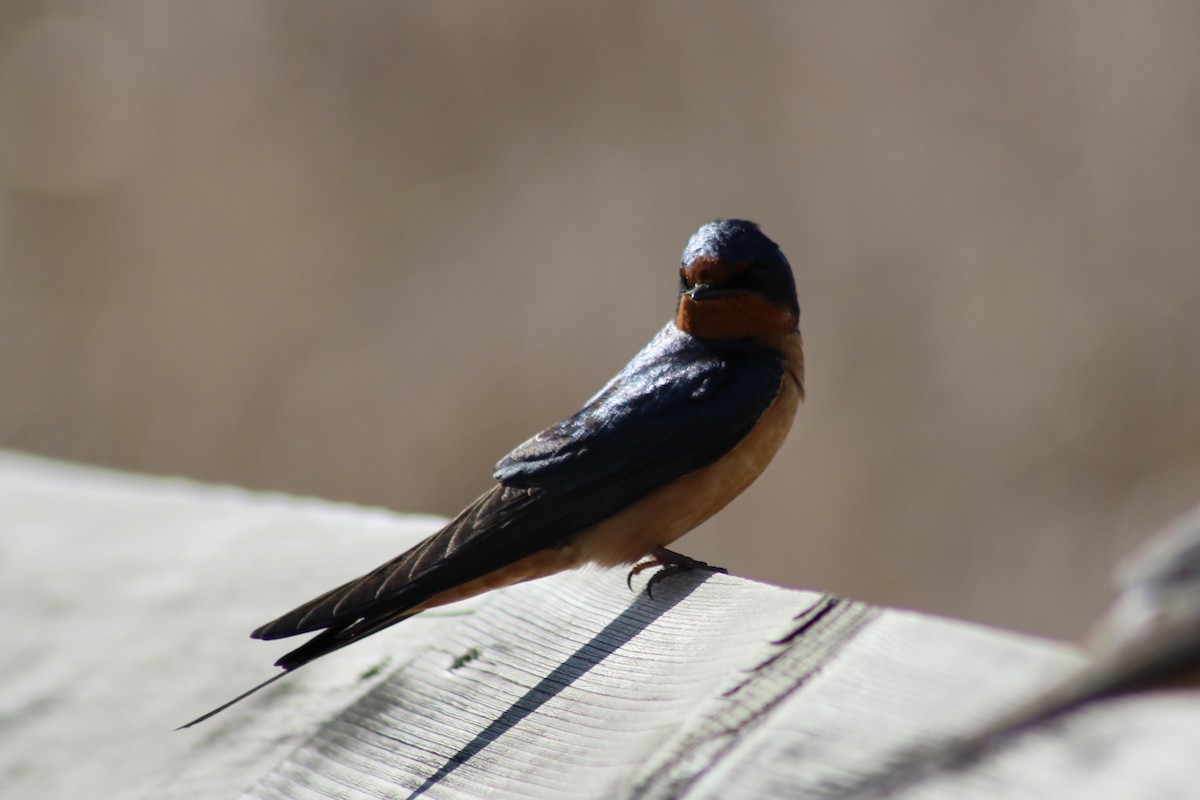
(683, 429)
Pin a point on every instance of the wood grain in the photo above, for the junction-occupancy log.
(126, 601)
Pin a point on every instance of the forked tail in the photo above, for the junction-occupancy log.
(237, 699)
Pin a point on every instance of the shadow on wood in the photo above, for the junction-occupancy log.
(615, 635)
(566, 687)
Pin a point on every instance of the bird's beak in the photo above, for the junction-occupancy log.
(704, 291)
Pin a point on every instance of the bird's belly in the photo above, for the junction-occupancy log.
(538, 565)
(667, 513)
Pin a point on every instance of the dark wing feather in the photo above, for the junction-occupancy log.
(678, 406)
(409, 578)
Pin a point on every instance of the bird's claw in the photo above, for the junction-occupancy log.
(672, 563)
(638, 569)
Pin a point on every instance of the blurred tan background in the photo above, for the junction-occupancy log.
(360, 250)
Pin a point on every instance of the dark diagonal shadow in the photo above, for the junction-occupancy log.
(613, 637)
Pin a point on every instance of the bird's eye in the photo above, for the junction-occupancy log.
(753, 276)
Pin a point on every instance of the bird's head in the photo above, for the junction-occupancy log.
(735, 283)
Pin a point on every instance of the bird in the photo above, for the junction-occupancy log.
(690, 422)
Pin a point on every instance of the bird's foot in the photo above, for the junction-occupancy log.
(672, 563)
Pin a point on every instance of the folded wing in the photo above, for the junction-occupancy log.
(679, 406)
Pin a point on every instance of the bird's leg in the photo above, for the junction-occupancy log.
(672, 563)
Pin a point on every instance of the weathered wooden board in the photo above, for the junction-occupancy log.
(126, 603)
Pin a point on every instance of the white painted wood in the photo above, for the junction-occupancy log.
(127, 600)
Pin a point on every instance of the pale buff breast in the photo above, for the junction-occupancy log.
(668, 513)
(662, 516)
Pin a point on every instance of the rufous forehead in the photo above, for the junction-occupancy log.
(711, 270)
